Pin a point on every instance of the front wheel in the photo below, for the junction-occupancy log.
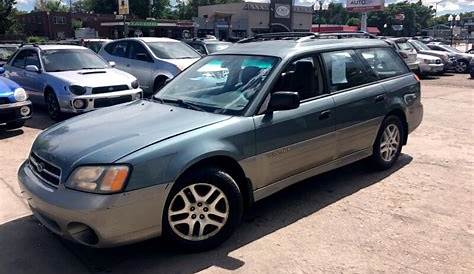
(202, 210)
(52, 103)
(15, 125)
(388, 145)
(461, 66)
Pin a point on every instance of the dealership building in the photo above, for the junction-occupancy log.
(247, 18)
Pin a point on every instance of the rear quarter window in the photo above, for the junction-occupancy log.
(383, 62)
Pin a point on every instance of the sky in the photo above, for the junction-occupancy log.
(444, 6)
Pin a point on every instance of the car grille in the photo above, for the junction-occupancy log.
(46, 171)
(107, 102)
(99, 90)
(4, 101)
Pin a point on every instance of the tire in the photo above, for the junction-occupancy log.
(52, 104)
(179, 214)
(461, 66)
(160, 81)
(15, 125)
(385, 155)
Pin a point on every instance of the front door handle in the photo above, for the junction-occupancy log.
(324, 115)
(380, 98)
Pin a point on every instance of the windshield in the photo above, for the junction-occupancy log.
(213, 47)
(405, 46)
(71, 59)
(221, 83)
(419, 45)
(172, 50)
(6, 52)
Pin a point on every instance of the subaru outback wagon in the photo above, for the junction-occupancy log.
(233, 128)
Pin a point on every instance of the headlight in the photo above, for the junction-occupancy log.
(135, 84)
(77, 90)
(99, 179)
(20, 95)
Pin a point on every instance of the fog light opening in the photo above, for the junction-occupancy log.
(25, 111)
(82, 233)
(79, 104)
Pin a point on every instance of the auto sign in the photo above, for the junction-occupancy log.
(364, 5)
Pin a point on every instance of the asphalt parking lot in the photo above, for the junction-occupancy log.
(414, 218)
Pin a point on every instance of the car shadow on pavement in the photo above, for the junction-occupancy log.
(6, 133)
(27, 247)
(40, 119)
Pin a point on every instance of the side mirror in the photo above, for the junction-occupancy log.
(284, 100)
(32, 68)
(112, 64)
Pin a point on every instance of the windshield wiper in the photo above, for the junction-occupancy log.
(180, 103)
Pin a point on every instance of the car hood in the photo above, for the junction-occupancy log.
(182, 64)
(437, 53)
(106, 135)
(426, 57)
(95, 77)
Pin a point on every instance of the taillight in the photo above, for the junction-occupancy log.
(416, 77)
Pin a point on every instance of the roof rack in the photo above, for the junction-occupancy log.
(280, 36)
(340, 35)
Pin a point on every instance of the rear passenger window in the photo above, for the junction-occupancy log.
(344, 70)
(383, 62)
(118, 49)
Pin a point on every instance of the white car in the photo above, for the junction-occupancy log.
(429, 64)
(70, 79)
(152, 60)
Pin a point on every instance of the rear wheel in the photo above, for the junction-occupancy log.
(160, 81)
(202, 210)
(52, 103)
(388, 145)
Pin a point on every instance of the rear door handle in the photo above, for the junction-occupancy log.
(380, 98)
(324, 115)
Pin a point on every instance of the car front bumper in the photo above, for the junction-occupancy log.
(15, 112)
(97, 101)
(93, 219)
(431, 68)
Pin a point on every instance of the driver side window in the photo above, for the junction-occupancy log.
(303, 76)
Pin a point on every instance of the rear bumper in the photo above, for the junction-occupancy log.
(93, 219)
(15, 112)
(101, 100)
(413, 66)
(414, 116)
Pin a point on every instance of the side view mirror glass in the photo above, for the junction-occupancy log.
(32, 68)
(284, 100)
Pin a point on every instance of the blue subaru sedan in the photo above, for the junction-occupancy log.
(15, 109)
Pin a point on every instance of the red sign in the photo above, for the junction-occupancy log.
(364, 5)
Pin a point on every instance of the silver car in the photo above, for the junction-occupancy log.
(405, 50)
(152, 60)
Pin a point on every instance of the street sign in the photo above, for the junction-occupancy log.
(123, 7)
(364, 5)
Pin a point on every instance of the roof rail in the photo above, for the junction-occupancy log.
(279, 36)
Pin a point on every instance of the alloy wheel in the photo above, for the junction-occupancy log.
(198, 212)
(390, 142)
(461, 67)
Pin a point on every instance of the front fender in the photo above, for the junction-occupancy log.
(165, 161)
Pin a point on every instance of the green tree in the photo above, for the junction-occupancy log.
(7, 18)
(51, 6)
(353, 21)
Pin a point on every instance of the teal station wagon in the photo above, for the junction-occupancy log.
(233, 128)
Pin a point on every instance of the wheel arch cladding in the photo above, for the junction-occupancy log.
(231, 166)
